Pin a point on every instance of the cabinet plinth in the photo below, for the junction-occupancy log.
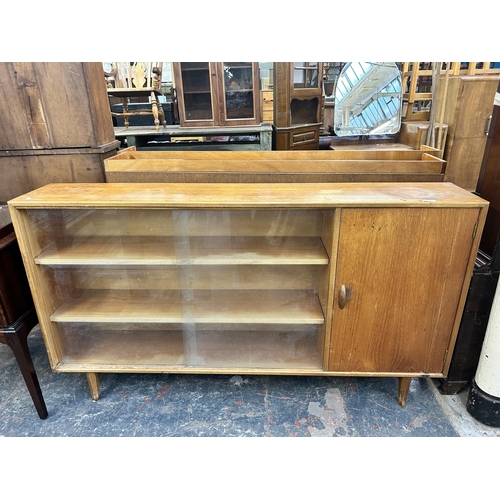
(309, 279)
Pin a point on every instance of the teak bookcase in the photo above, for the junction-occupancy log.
(353, 279)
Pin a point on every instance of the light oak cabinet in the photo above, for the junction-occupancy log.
(284, 279)
(217, 94)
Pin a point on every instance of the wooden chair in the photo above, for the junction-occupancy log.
(17, 312)
(136, 79)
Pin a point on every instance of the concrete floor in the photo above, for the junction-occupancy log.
(166, 405)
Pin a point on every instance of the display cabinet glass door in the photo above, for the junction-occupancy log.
(167, 290)
(197, 91)
(238, 91)
(304, 107)
(306, 75)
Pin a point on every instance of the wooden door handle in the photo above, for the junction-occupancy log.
(344, 296)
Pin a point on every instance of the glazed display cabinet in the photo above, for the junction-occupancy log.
(364, 279)
(298, 104)
(217, 94)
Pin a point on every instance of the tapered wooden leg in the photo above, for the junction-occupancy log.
(94, 385)
(403, 388)
(16, 337)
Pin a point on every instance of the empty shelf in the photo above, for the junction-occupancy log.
(200, 250)
(199, 306)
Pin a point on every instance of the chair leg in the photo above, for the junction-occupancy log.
(162, 115)
(125, 110)
(17, 340)
(154, 107)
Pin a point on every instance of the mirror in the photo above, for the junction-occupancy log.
(368, 99)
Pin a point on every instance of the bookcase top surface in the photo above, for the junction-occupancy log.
(246, 195)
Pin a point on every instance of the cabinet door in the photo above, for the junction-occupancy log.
(196, 84)
(403, 271)
(240, 93)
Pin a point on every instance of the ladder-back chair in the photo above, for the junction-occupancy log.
(136, 79)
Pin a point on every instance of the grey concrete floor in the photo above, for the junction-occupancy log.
(154, 415)
(167, 405)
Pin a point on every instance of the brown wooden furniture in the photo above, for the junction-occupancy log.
(56, 125)
(17, 312)
(400, 165)
(414, 134)
(297, 104)
(417, 82)
(218, 94)
(468, 108)
(250, 137)
(24, 170)
(359, 279)
(486, 273)
(130, 80)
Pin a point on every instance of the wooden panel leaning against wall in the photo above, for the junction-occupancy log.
(53, 113)
(468, 106)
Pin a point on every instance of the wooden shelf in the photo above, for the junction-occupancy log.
(151, 250)
(191, 306)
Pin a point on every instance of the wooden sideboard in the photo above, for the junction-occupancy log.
(354, 279)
